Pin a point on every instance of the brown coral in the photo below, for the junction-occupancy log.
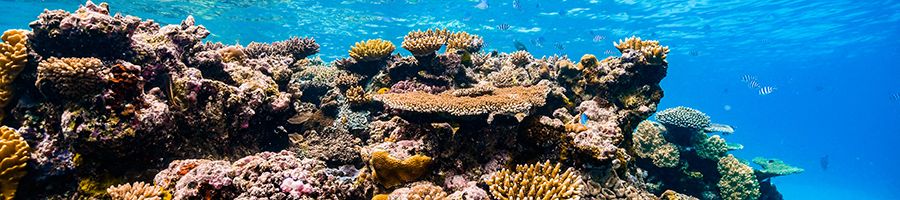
(648, 142)
(420, 191)
(390, 171)
(652, 51)
(13, 158)
(738, 181)
(371, 50)
(421, 43)
(464, 41)
(356, 95)
(536, 181)
(71, 78)
(137, 191)
(13, 57)
(520, 58)
(511, 100)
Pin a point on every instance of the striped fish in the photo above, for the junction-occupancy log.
(503, 27)
(763, 91)
(896, 97)
(719, 128)
(750, 80)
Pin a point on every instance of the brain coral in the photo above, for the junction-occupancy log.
(421, 43)
(651, 50)
(536, 181)
(683, 117)
(13, 57)
(511, 100)
(13, 158)
(738, 181)
(71, 78)
(371, 50)
(137, 191)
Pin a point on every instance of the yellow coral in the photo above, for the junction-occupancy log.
(71, 78)
(356, 95)
(536, 181)
(13, 158)
(371, 50)
(137, 191)
(421, 43)
(464, 41)
(510, 100)
(738, 181)
(588, 61)
(390, 171)
(13, 57)
(651, 50)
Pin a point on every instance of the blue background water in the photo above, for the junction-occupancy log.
(834, 62)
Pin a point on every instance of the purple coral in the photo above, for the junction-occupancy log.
(90, 31)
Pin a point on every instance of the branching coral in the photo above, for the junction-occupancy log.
(652, 52)
(464, 41)
(648, 142)
(371, 50)
(13, 57)
(683, 117)
(296, 47)
(13, 158)
(511, 101)
(422, 43)
(391, 171)
(70, 78)
(738, 181)
(520, 58)
(137, 191)
(774, 167)
(536, 181)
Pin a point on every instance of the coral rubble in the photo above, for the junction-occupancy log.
(103, 104)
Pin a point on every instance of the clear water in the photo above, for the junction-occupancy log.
(834, 62)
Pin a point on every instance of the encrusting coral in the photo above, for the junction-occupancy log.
(391, 171)
(536, 181)
(14, 154)
(738, 181)
(13, 57)
(137, 191)
(371, 50)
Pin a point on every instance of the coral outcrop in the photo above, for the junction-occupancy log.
(371, 50)
(738, 181)
(423, 43)
(536, 181)
(70, 78)
(13, 160)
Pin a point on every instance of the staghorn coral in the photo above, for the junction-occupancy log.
(536, 181)
(13, 159)
(371, 50)
(652, 52)
(683, 117)
(137, 191)
(711, 148)
(423, 43)
(390, 171)
(70, 78)
(469, 43)
(738, 181)
(774, 167)
(13, 58)
(510, 101)
(648, 142)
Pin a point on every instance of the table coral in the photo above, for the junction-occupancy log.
(371, 50)
(738, 181)
(13, 58)
(13, 157)
(509, 101)
(536, 181)
(683, 117)
(774, 167)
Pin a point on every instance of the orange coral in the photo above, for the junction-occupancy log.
(13, 57)
(13, 158)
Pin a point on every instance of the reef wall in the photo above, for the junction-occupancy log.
(103, 105)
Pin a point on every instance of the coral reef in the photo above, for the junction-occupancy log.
(536, 181)
(13, 157)
(109, 102)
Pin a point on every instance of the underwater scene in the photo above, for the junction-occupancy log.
(450, 99)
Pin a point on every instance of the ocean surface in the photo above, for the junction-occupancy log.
(829, 69)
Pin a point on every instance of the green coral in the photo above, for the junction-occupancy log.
(774, 167)
(711, 148)
(738, 181)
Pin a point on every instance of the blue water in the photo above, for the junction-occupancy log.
(834, 63)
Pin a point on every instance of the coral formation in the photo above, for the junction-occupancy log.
(536, 181)
(423, 43)
(371, 50)
(648, 142)
(464, 41)
(683, 117)
(13, 160)
(738, 181)
(652, 51)
(774, 167)
(13, 57)
(504, 101)
(70, 78)
(137, 191)
(391, 171)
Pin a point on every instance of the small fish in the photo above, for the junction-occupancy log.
(516, 4)
(538, 42)
(483, 5)
(823, 162)
(559, 46)
(583, 119)
(896, 97)
(519, 46)
(766, 90)
(608, 52)
(503, 27)
(750, 80)
(598, 38)
(693, 53)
